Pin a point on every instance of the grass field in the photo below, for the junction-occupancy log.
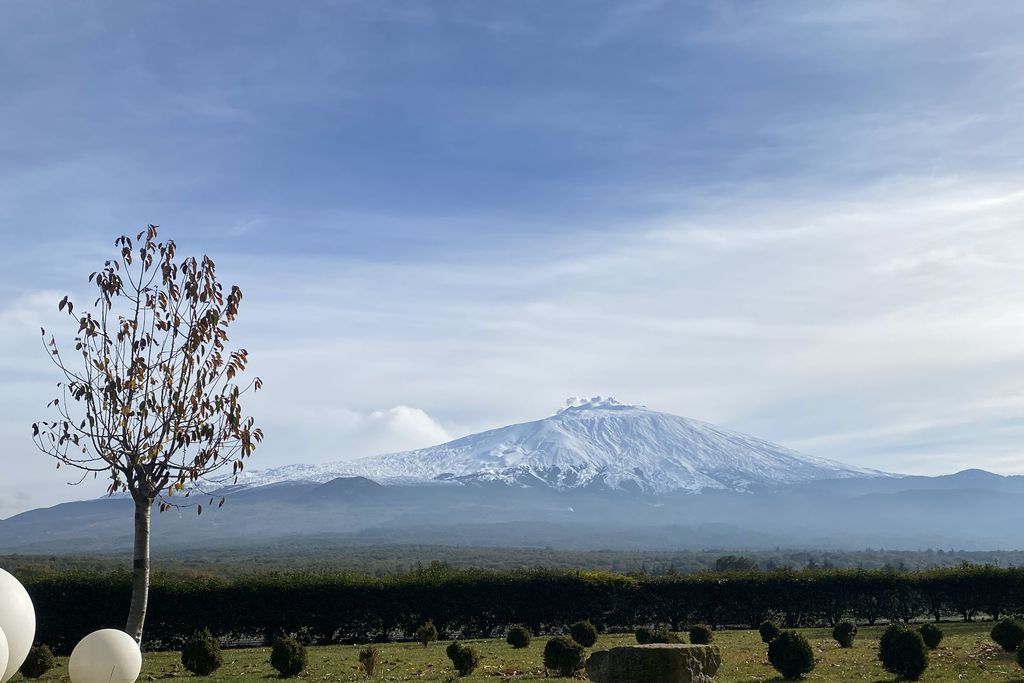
(966, 654)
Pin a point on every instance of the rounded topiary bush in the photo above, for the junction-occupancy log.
(646, 636)
(1008, 634)
(701, 634)
(844, 633)
(902, 652)
(288, 656)
(369, 657)
(464, 658)
(427, 633)
(564, 655)
(584, 633)
(518, 637)
(38, 662)
(931, 635)
(201, 653)
(769, 631)
(791, 655)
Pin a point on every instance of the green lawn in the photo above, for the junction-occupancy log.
(966, 654)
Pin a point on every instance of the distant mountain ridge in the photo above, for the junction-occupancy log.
(596, 443)
(598, 474)
(970, 510)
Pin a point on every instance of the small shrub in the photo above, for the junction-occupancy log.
(1020, 655)
(646, 636)
(464, 658)
(902, 652)
(791, 655)
(844, 633)
(38, 662)
(427, 633)
(564, 655)
(201, 653)
(518, 637)
(1009, 634)
(769, 631)
(369, 657)
(288, 656)
(931, 635)
(701, 634)
(584, 633)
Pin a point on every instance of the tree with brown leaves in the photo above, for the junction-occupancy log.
(150, 398)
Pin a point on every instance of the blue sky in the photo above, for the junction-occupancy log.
(795, 219)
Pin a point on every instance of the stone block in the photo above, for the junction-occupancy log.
(655, 663)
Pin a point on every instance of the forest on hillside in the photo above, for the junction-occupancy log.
(378, 560)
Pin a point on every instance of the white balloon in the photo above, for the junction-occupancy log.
(106, 656)
(4, 652)
(17, 621)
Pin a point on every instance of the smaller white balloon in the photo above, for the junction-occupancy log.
(5, 652)
(106, 656)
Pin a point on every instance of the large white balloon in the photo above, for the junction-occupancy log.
(4, 652)
(17, 621)
(107, 656)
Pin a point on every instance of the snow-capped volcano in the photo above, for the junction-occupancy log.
(590, 443)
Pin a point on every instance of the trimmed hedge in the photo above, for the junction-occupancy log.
(584, 633)
(464, 657)
(791, 655)
(647, 636)
(701, 634)
(288, 656)
(518, 637)
(931, 635)
(1008, 634)
(324, 608)
(39, 660)
(564, 655)
(427, 633)
(844, 633)
(902, 652)
(201, 653)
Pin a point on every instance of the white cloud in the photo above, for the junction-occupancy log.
(785, 325)
(308, 430)
(385, 431)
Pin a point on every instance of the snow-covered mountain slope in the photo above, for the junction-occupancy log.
(591, 443)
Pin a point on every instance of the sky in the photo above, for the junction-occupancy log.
(799, 220)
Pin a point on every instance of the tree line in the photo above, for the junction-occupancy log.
(385, 560)
(337, 607)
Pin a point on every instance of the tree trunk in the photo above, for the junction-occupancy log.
(140, 569)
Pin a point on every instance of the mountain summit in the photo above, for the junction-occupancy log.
(591, 443)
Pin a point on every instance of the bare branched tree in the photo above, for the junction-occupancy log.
(149, 398)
